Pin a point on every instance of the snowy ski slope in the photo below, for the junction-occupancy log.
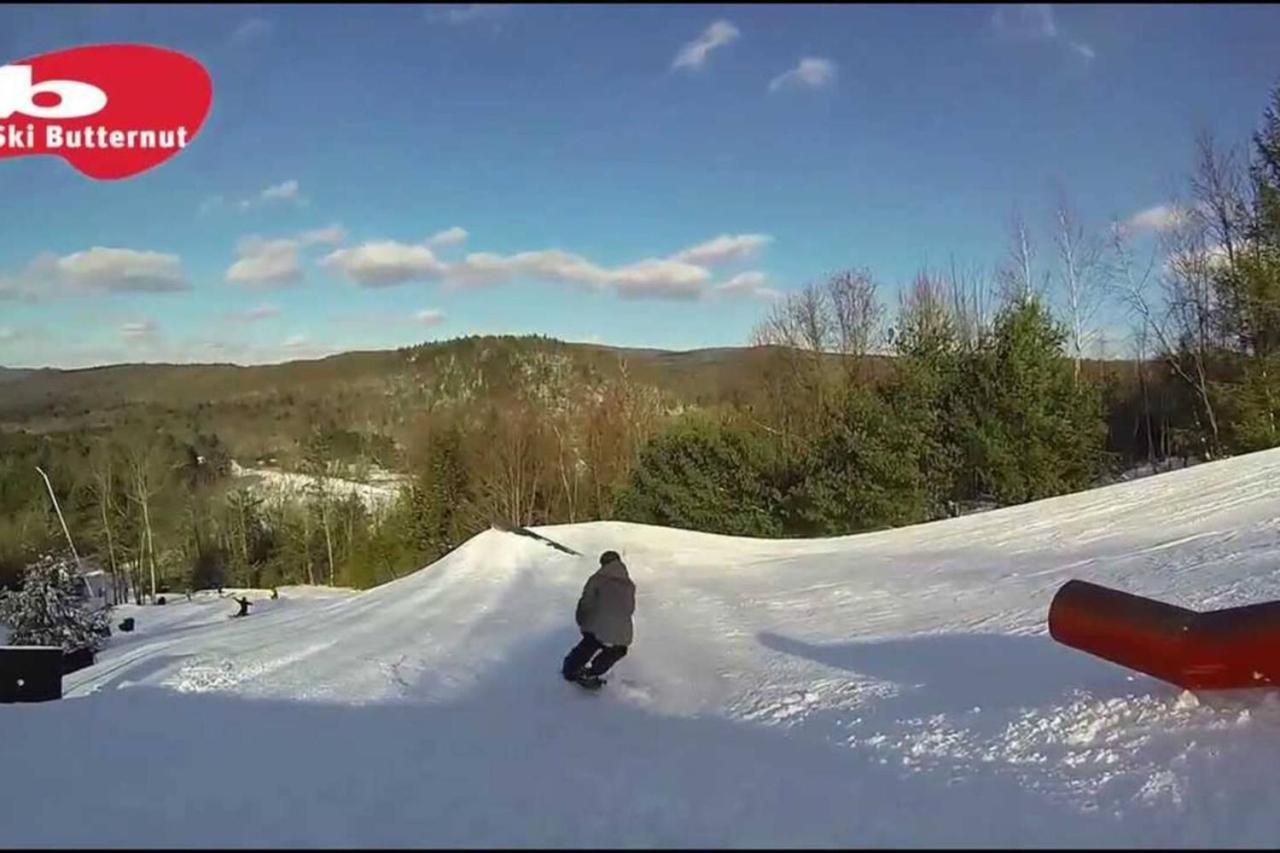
(896, 688)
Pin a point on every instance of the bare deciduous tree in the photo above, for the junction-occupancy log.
(1017, 277)
(1181, 326)
(1080, 274)
(971, 300)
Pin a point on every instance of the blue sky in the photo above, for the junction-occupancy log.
(374, 176)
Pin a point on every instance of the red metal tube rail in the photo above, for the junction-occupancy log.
(1215, 650)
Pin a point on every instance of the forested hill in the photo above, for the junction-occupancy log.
(372, 390)
(360, 390)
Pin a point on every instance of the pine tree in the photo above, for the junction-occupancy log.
(862, 473)
(47, 611)
(704, 475)
(1028, 428)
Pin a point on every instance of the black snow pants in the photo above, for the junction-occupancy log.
(576, 662)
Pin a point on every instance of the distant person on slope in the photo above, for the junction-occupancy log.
(604, 617)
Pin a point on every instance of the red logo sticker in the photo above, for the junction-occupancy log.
(112, 111)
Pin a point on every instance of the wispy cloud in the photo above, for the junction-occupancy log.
(211, 203)
(723, 249)
(448, 237)
(693, 55)
(1035, 22)
(140, 331)
(1025, 21)
(1084, 51)
(289, 191)
(252, 30)
(748, 285)
(468, 12)
(285, 192)
(812, 72)
(429, 317)
(1161, 217)
(683, 275)
(256, 313)
(265, 263)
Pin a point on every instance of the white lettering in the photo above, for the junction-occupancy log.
(75, 99)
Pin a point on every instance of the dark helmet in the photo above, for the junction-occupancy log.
(609, 557)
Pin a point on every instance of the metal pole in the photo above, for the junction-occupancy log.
(61, 520)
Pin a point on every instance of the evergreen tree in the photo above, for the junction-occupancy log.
(1028, 429)
(441, 494)
(862, 473)
(704, 475)
(48, 610)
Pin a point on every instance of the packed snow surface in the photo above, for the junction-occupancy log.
(375, 495)
(895, 688)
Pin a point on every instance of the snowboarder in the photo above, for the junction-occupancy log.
(604, 617)
(244, 603)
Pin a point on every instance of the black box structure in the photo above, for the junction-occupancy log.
(30, 673)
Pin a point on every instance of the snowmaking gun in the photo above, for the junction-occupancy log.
(1212, 650)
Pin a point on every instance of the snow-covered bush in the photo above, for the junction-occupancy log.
(49, 610)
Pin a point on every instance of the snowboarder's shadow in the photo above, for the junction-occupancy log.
(957, 673)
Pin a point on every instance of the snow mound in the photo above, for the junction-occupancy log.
(895, 688)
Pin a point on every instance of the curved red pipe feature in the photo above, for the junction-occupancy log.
(1214, 650)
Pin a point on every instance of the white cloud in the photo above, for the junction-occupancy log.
(725, 248)
(550, 264)
(251, 30)
(1212, 257)
(95, 271)
(1083, 50)
(812, 72)
(276, 263)
(448, 237)
(747, 284)
(139, 331)
(683, 275)
(9, 334)
(105, 270)
(1161, 217)
(257, 312)
(266, 263)
(330, 235)
(694, 54)
(469, 12)
(385, 263)
(1034, 22)
(1025, 21)
(294, 342)
(429, 317)
(211, 203)
(663, 278)
(286, 191)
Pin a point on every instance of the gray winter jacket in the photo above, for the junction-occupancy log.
(606, 605)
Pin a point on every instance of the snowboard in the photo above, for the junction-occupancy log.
(590, 682)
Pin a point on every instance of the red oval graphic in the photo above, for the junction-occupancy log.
(112, 111)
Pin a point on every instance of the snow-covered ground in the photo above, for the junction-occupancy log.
(895, 688)
(381, 489)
